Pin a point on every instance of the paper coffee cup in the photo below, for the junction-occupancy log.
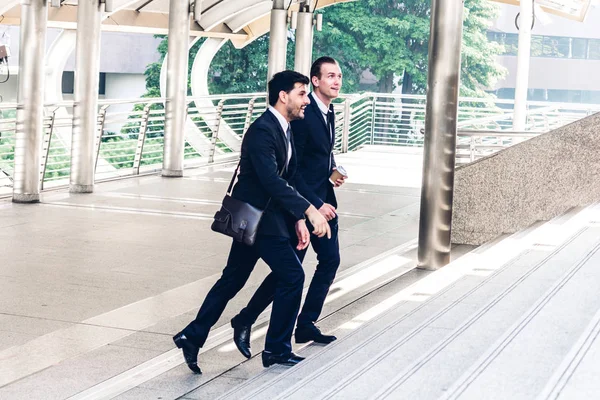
(338, 173)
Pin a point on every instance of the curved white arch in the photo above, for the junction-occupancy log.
(193, 136)
(259, 10)
(56, 58)
(199, 84)
(225, 10)
(201, 65)
(9, 5)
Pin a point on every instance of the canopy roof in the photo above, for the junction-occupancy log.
(242, 21)
(571, 9)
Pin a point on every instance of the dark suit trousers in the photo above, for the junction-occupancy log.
(328, 257)
(286, 268)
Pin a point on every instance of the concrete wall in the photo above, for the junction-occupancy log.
(122, 86)
(8, 90)
(533, 181)
(127, 53)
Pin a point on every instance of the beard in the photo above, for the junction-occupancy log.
(294, 114)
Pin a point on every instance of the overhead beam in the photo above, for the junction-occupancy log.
(128, 21)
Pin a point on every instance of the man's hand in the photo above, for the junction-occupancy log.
(328, 211)
(303, 235)
(340, 181)
(320, 224)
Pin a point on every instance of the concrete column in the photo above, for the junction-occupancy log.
(440, 133)
(304, 40)
(30, 99)
(523, 58)
(85, 108)
(177, 72)
(277, 39)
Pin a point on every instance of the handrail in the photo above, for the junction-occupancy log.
(131, 141)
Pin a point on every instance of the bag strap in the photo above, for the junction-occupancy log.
(236, 171)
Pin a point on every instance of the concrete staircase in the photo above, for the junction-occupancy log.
(515, 319)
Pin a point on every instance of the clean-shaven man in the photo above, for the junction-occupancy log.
(267, 169)
(314, 138)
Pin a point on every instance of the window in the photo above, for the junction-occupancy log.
(550, 46)
(579, 48)
(537, 46)
(557, 47)
(68, 83)
(102, 84)
(594, 49)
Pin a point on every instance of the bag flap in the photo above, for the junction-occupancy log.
(243, 215)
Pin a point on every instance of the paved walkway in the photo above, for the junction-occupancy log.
(94, 285)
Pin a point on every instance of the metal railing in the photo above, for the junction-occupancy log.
(130, 133)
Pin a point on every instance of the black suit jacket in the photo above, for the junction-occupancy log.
(314, 149)
(263, 157)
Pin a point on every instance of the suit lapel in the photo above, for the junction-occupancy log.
(317, 111)
(283, 143)
(319, 115)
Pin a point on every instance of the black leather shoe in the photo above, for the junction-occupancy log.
(312, 333)
(190, 352)
(290, 359)
(241, 337)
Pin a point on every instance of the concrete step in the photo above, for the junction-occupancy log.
(460, 353)
(332, 322)
(518, 364)
(404, 363)
(220, 356)
(369, 358)
(577, 376)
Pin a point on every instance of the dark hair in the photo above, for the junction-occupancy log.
(315, 70)
(286, 81)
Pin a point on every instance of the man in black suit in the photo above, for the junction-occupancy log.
(266, 171)
(314, 138)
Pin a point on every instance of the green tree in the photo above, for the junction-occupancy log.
(231, 71)
(391, 39)
(387, 37)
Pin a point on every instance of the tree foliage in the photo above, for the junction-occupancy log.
(387, 37)
(391, 39)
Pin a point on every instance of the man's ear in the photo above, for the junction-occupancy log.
(283, 96)
(315, 81)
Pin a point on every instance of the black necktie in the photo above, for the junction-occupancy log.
(330, 125)
(288, 149)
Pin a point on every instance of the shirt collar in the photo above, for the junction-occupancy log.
(282, 121)
(320, 104)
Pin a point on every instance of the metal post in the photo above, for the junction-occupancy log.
(440, 133)
(277, 39)
(373, 119)
(98, 138)
(249, 114)
(523, 58)
(215, 136)
(175, 105)
(46, 150)
(139, 151)
(85, 108)
(30, 99)
(304, 40)
(346, 131)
